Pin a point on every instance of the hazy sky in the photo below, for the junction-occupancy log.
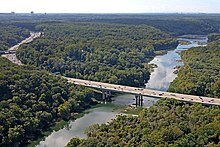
(109, 6)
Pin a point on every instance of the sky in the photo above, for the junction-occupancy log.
(110, 6)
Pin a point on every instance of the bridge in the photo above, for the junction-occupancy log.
(106, 88)
(140, 92)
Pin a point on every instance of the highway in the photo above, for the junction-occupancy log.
(118, 88)
(12, 57)
(145, 92)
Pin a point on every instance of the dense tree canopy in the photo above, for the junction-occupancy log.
(114, 49)
(167, 123)
(11, 35)
(213, 37)
(174, 24)
(101, 52)
(201, 72)
(30, 100)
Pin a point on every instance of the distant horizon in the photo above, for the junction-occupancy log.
(110, 6)
(178, 13)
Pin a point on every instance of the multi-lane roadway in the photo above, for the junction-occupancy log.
(118, 88)
(145, 92)
(11, 55)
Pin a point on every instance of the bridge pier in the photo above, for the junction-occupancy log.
(103, 95)
(106, 95)
(136, 99)
(139, 100)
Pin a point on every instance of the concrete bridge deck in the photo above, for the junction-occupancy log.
(145, 92)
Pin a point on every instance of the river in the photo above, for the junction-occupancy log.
(160, 79)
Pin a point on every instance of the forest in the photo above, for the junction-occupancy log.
(11, 35)
(113, 49)
(213, 37)
(31, 100)
(168, 123)
(110, 53)
(175, 24)
(200, 74)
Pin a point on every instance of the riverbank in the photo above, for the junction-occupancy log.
(56, 126)
(26, 101)
(105, 112)
(121, 103)
(200, 74)
(66, 125)
(112, 109)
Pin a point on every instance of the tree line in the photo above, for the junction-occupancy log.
(98, 49)
(200, 74)
(110, 53)
(213, 37)
(11, 35)
(32, 100)
(168, 123)
(175, 24)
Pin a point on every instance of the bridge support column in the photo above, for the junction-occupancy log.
(103, 96)
(139, 100)
(109, 93)
(106, 95)
(136, 99)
